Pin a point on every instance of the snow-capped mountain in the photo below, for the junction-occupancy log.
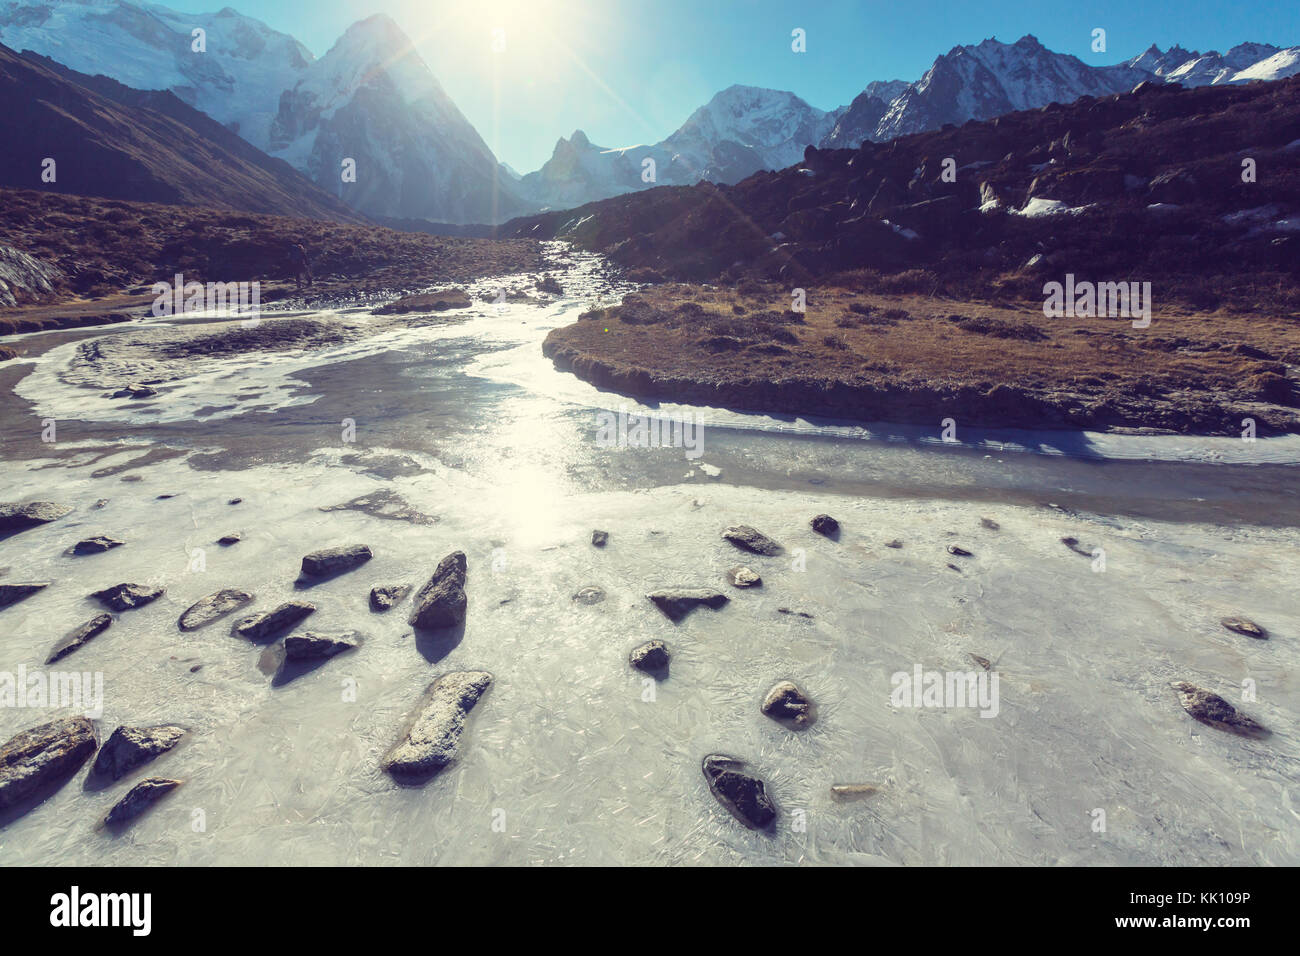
(741, 130)
(372, 99)
(992, 78)
(237, 79)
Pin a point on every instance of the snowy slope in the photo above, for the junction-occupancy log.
(372, 99)
(741, 130)
(237, 80)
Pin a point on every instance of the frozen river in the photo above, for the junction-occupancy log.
(453, 432)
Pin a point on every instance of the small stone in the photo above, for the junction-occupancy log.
(589, 595)
(894, 544)
(431, 740)
(600, 538)
(651, 657)
(1073, 545)
(213, 607)
(826, 525)
(135, 390)
(983, 662)
(78, 637)
(990, 524)
(139, 799)
(789, 706)
(442, 602)
(124, 597)
(850, 792)
(751, 539)
(100, 503)
(335, 560)
(270, 623)
(743, 794)
(1213, 710)
(958, 552)
(786, 610)
(13, 593)
(15, 516)
(226, 540)
(234, 501)
(96, 545)
(313, 647)
(131, 747)
(384, 597)
(676, 603)
(1245, 626)
(743, 577)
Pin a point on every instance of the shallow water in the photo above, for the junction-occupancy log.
(572, 756)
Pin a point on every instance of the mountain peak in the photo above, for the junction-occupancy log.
(579, 138)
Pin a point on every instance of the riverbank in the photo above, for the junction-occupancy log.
(912, 358)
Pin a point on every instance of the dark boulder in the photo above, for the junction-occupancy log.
(43, 756)
(743, 794)
(13, 593)
(651, 657)
(16, 516)
(271, 623)
(139, 799)
(1245, 626)
(676, 603)
(316, 647)
(1213, 710)
(431, 740)
(78, 637)
(96, 545)
(330, 561)
(124, 597)
(751, 539)
(789, 706)
(131, 747)
(213, 607)
(442, 603)
(743, 577)
(826, 525)
(384, 597)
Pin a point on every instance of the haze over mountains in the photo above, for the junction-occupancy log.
(372, 98)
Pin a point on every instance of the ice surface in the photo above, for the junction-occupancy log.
(570, 758)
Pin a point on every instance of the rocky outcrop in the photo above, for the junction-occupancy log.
(442, 602)
(789, 706)
(432, 738)
(1213, 710)
(751, 539)
(651, 657)
(16, 516)
(124, 597)
(743, 794)
(13, 593)
(676, 603)
(213, 607)
(42, 757)
(331, 561)
(78, 637)
(384, 597)
(139, 799)
(316, 647)
(132, 747)
(270, 624)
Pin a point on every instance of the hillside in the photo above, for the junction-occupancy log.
(111, 141)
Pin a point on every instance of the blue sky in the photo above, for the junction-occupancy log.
(630, 71)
